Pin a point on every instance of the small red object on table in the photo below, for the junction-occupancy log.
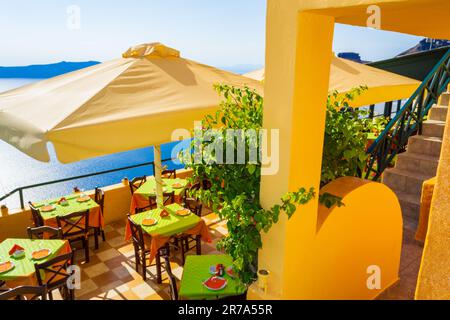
(164, 213)
(220, 270)
(14, 249)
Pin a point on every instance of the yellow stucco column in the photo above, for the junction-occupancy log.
(299, 54)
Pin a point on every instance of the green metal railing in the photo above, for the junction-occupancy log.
(409, 120)
(84, 176)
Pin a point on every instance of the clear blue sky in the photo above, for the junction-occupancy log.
(216, 32)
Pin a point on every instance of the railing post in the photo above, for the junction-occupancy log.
(372, 111)
(399, 106)
(388, 110)
(22, 202)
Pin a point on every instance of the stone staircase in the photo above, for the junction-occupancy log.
(418, 163)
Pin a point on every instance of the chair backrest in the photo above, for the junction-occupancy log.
(194, 206)
(137, 235)
(28, 292)
(136, 183)
(168, 198)
(100, 197)
(36, 215)
(75, 224)
(169, 174)
(172, 280)
(45, 232)
(54, 272)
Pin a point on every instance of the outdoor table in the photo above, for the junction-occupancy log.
(95, 213)
(197, 270)
(168, 227)
(140, 198)
(425, 207)
(23, 273)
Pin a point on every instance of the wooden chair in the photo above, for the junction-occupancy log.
(100, 200)
(36, 215)
(169, 174)
(172, 280)
(168, 197)
(54, 274)
(136, 183)
(40, 232)
(194, 206)
(75, 228)
(184, 242)
(141, 251)
(24, 293)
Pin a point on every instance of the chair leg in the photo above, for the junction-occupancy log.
(144, 267)
(86, 250)
(103, 235)
(183, 252)
(137, 258)
(158, 269)
(96, 230)
(198, 244)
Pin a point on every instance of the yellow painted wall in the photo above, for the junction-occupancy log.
(299, 40)
(345, 243)
(434, 276)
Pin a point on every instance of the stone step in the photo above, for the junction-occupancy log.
(438, 113)
(445, 99)
(425, 145)
(404, 181)
(422, 163)
(433, 128)
(410, 206)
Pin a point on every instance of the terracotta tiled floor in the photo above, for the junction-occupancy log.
(111, 275)
(409, 266)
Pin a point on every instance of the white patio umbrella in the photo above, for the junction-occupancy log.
(345, 75)
(124, 104)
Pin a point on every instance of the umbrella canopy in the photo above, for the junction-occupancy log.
(345, 75)
(124, 104)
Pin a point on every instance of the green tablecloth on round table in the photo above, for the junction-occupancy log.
(169, 226)
(149, 187)
(196, 271)
(25, 267)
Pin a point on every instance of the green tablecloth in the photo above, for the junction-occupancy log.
(196, 271)
(60, 211)
(149, 187)
(169, 226)
(25, 267)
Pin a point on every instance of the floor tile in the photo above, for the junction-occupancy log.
(108, 254)
(143, 291)
(96, 270)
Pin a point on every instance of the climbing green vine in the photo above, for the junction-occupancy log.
(235, 189)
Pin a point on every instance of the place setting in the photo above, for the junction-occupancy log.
(218, 282)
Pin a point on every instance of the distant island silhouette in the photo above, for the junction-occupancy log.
(43, 71)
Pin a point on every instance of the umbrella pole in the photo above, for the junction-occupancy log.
(158, 176)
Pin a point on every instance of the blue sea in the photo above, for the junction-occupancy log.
(18, 169)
